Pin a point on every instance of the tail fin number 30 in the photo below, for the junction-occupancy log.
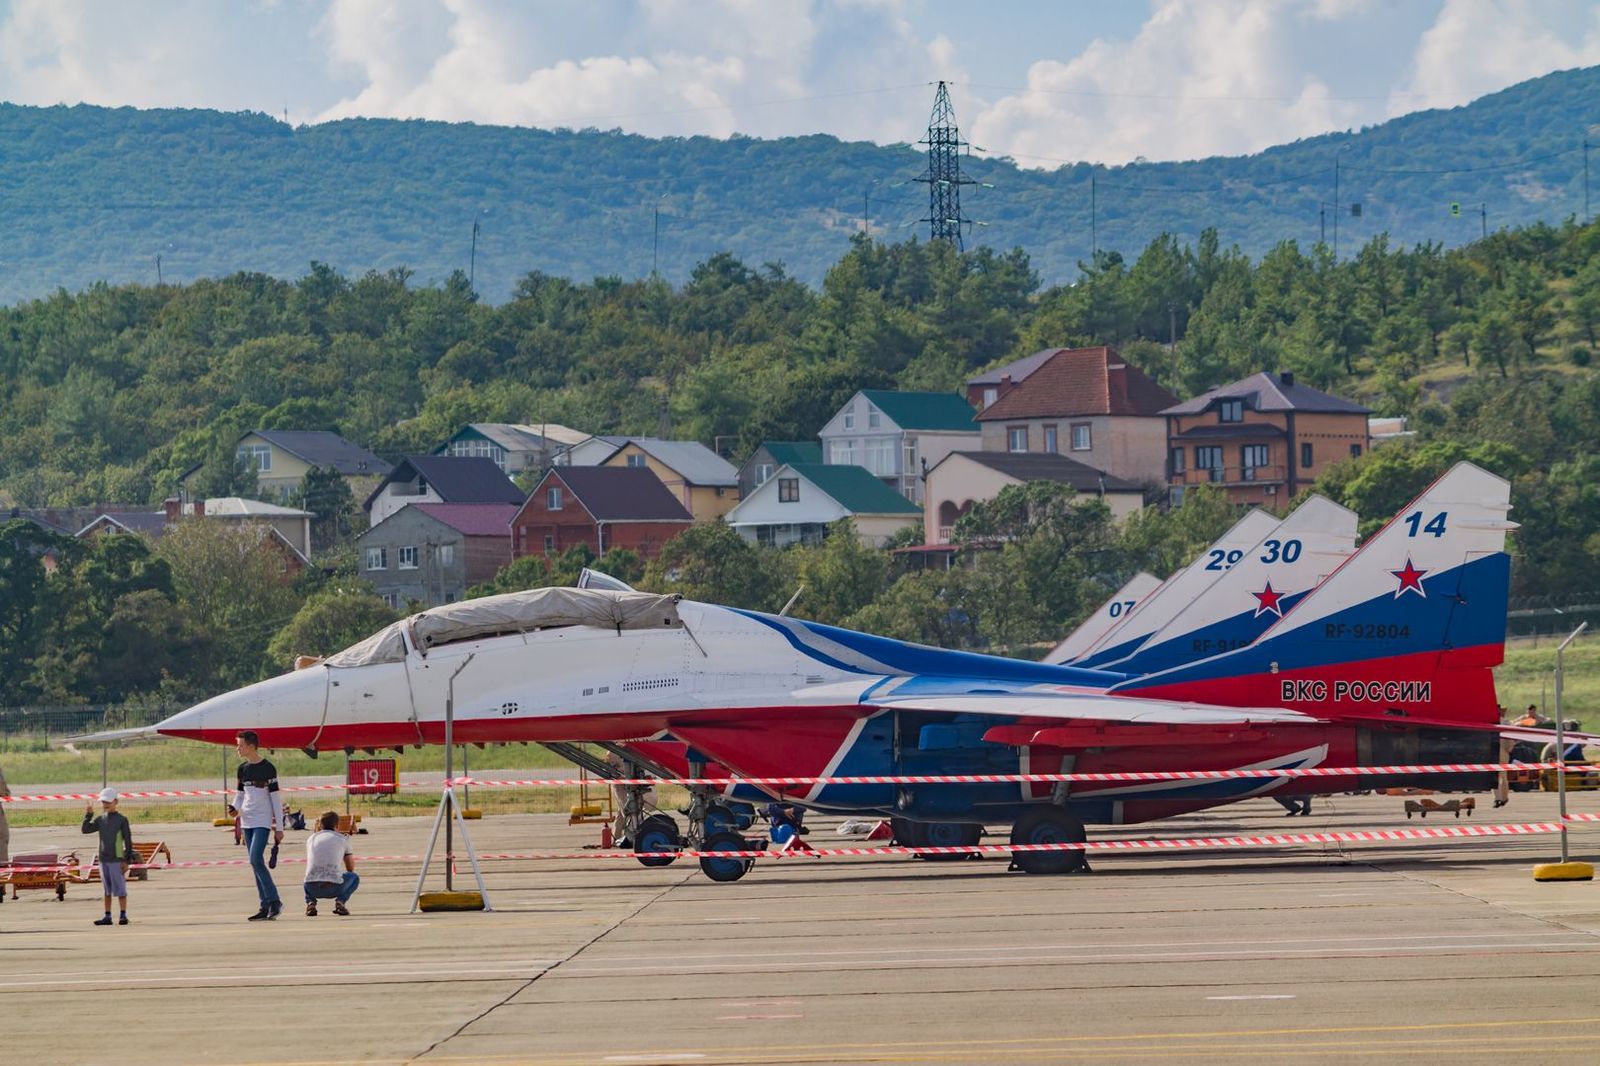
(1415, 527)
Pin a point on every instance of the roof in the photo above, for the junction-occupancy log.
(1048, 466)
(1271, 392)
(854, 488)
(322, 448)
(239, 507)
(472, 519)
(691, 460)
(456, 478)
(790, 452)
(924, 410)
(151, 522)
(1016, 371)
(515, 436)
(1081, 381)
(1231, 430)
(621, 493)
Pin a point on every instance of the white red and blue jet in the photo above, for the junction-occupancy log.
(1387, 662)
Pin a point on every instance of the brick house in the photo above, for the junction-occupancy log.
(430, 553)
(1264, 438)
(1087, 404)
(603, 507)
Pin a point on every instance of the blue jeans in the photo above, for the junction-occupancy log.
(342, 891)
(256, 840)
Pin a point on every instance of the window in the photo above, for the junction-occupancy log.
(850, 416)
(1175, 496)
(788, 490)
(390, 600)
(1253, 457)
(842, 452)
(552, 496)
(636, 459)
(1355, 450)
(1209, 457)
(1016, 438)
(880, 456)
(549, 543)
(874, 417)
(990, 395)
(1051, 444)
(1305, 456)
(407, 557)
(447, 554)
(1230, 411)
(763, 473)
(377, 558)
(479, 449)
(1081, 441)
(255, 456)
(1177, 461)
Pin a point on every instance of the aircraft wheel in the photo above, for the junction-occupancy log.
(720, 818)
(947, 835)
(657, 833)
(906, 832)
(729, 869)
(1048, 825)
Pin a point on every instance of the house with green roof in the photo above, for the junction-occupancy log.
(897, 436)
(765, 460)
(800, 500)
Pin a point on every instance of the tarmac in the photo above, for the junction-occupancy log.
(1435, 949)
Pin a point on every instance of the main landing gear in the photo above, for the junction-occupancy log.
(911, 834)
(1049, 825)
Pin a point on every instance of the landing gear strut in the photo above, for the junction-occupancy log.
(1049, 825)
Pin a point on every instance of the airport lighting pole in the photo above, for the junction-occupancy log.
(1561, 745)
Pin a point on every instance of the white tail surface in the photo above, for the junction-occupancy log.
(1110, 615)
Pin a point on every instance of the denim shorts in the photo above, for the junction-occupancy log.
(114, 876)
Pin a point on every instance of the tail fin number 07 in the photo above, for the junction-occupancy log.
(1121, 607)
(1434, 526)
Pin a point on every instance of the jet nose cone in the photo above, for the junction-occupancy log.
(286, 712)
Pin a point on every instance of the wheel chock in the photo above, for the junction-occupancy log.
(450, 901)
(1564, 871)
(471, 813)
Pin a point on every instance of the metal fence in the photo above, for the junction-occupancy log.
(22, 724)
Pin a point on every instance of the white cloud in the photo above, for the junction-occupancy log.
(1201, 77)
(1482, 46)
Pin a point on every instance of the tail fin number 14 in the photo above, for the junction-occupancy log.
(1415, 527)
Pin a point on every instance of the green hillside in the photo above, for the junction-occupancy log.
(91, 194)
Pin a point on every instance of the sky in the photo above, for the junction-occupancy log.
(1043, 82)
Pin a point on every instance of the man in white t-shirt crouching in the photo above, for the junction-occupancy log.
(330, 866)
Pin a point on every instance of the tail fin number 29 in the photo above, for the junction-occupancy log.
(1435, 525)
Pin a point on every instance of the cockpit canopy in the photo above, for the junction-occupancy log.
(512, 612)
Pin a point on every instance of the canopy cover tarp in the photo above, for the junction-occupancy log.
(513, 612)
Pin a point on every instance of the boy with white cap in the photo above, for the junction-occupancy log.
(116, 850)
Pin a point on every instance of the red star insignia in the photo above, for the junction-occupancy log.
(1268, 601)
(1410, 580)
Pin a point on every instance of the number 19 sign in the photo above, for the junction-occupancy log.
(371, 777)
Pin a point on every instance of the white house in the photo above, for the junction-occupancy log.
(800, 501)
(899, 435)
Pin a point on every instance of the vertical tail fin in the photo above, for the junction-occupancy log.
(1180, 590)
(1108, 616)
(1410, 626)
(1272, 577)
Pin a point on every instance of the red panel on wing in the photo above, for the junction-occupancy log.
(803, 743)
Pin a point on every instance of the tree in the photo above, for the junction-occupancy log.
(28, 604)
(326, 494)
(711, 563)
(840, 577)
(328, 622)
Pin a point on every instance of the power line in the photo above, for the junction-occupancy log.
(1200, 98)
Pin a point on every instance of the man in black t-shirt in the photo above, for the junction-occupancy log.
(260, 810)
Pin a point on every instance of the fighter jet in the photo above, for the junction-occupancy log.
(1387, 662)
(1106, 617)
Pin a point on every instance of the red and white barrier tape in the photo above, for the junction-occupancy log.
(1271, 840)
(875, 779)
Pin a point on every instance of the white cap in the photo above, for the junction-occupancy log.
(108, 795)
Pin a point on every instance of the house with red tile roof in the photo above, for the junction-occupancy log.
(431, 553)
(603, 507)
(1088, 404)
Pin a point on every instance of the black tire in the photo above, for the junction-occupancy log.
(729, 869)
(1048, 825)
(657, 833)
(948, 835)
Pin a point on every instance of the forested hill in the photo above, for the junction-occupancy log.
(91, 194)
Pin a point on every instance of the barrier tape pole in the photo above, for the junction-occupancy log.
(1124, 776)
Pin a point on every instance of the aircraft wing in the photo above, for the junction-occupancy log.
(1109, 709)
